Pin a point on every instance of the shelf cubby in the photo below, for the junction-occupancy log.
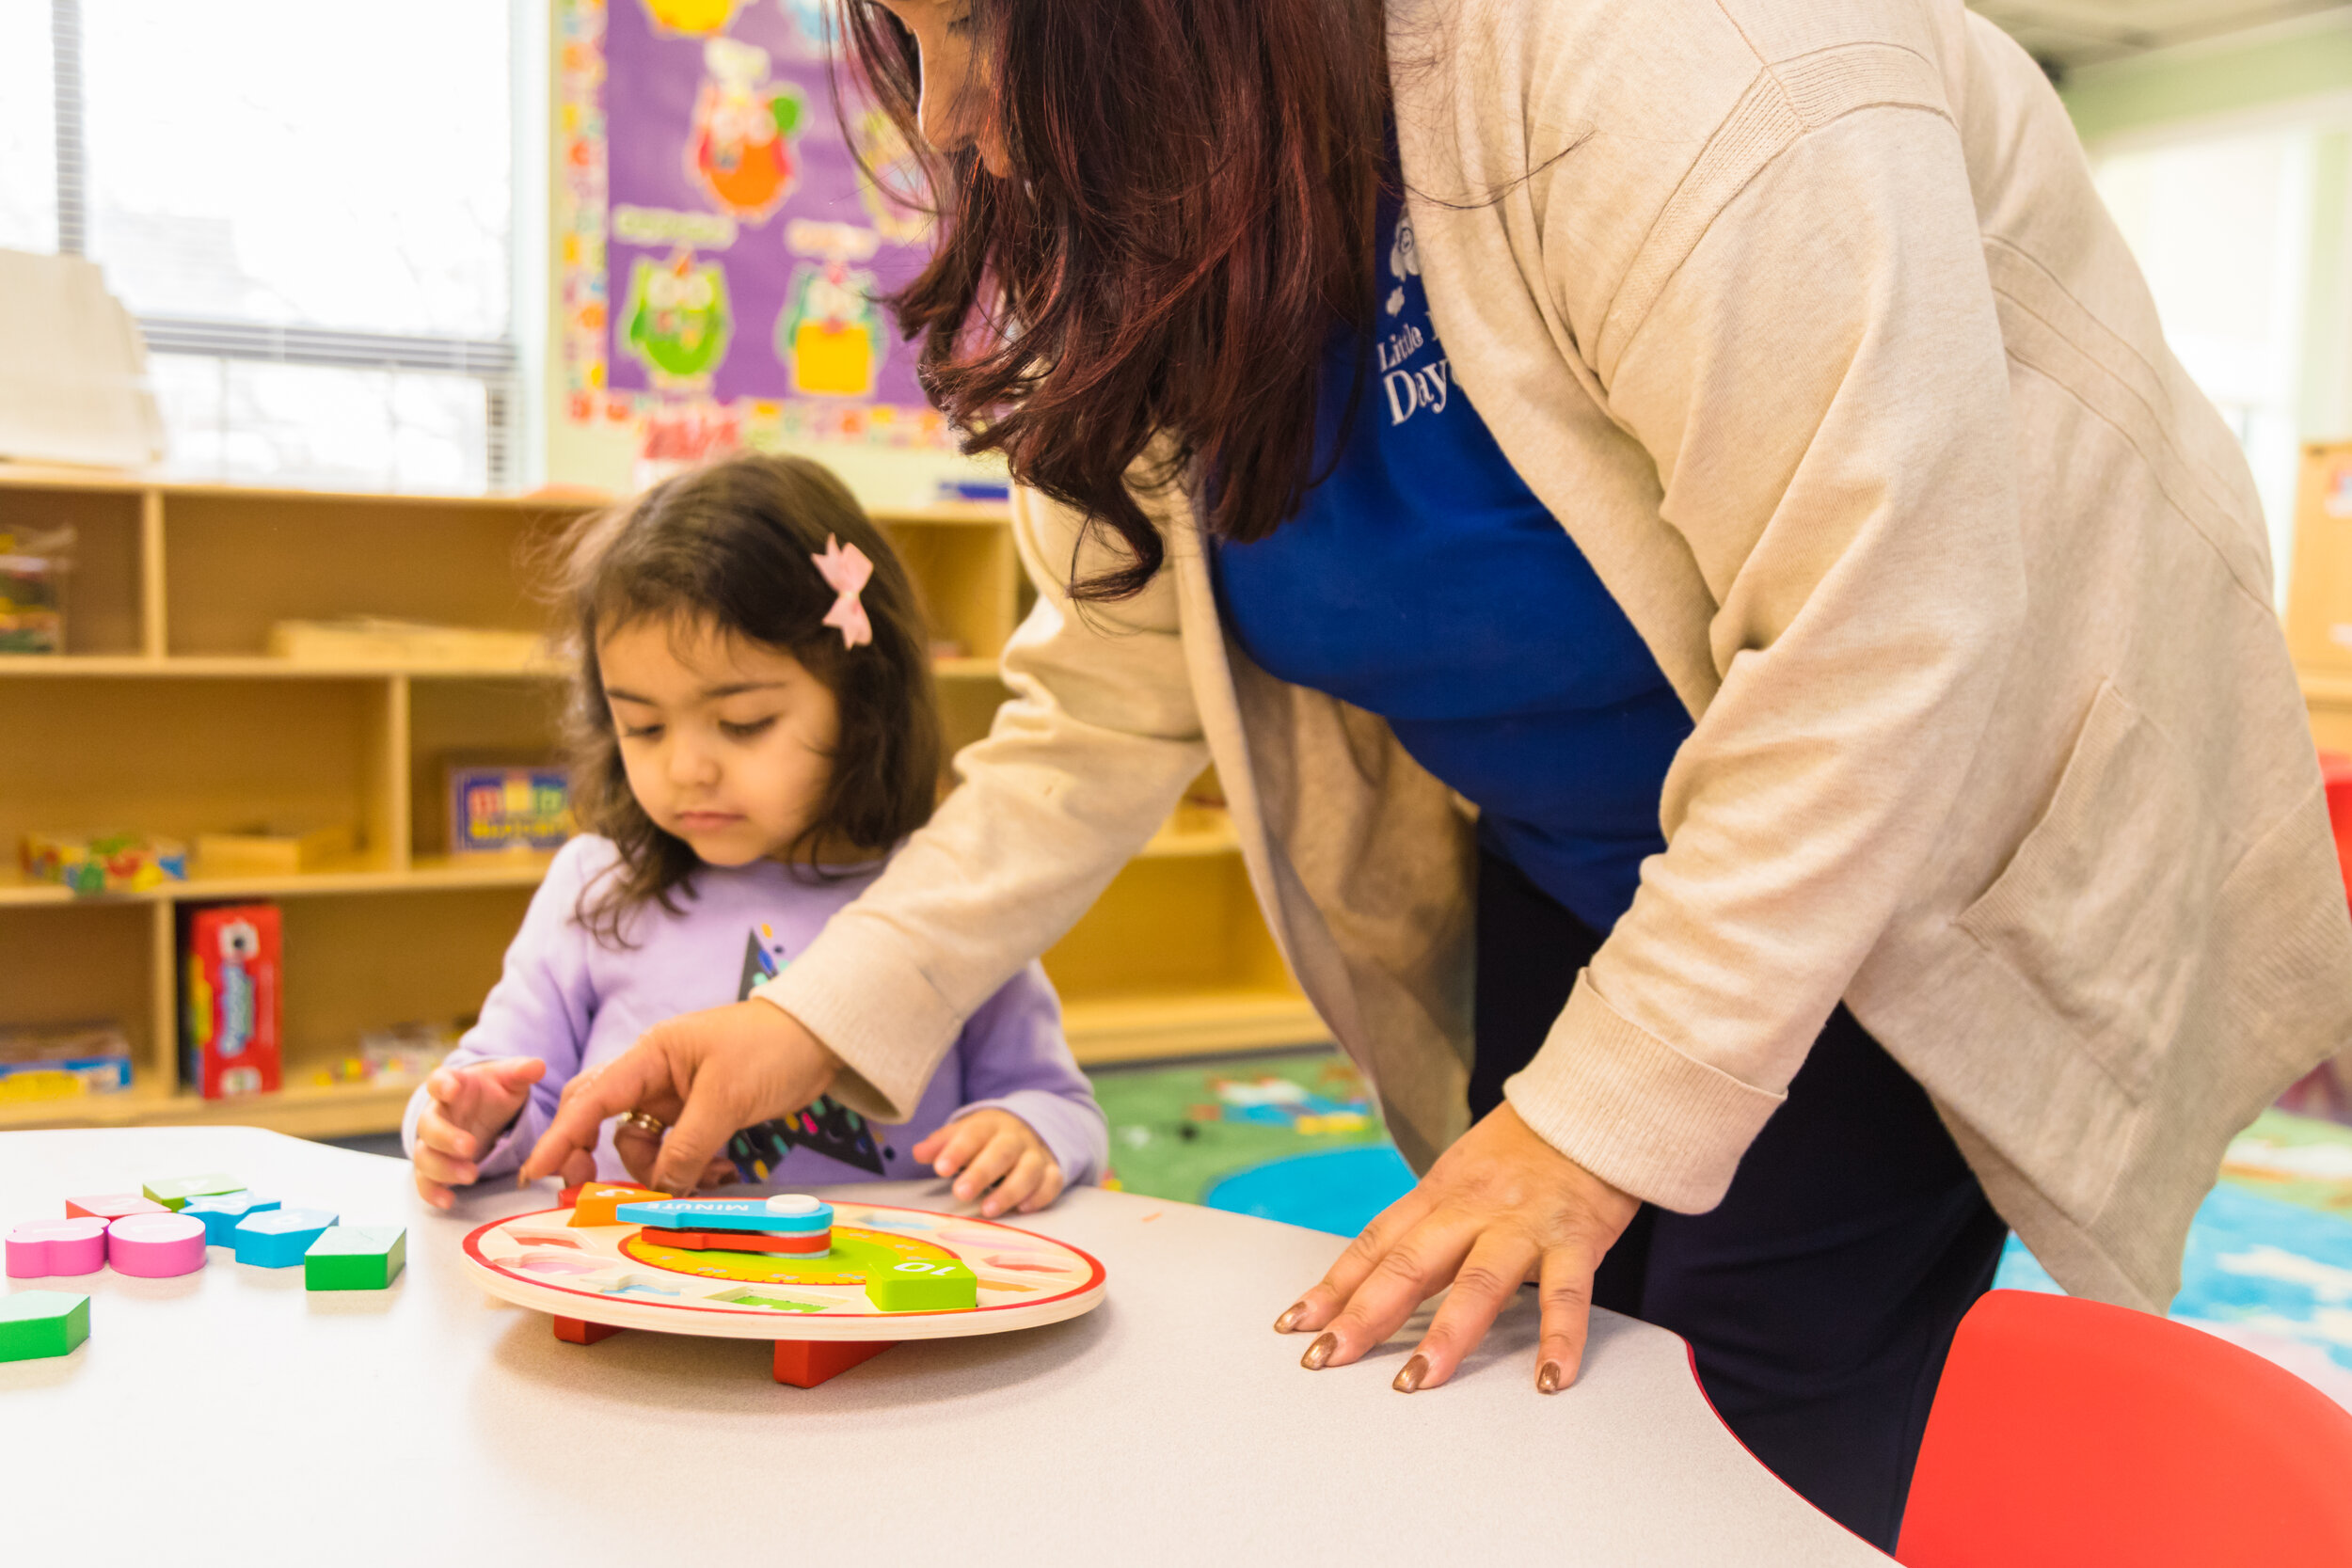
(357, 961)
(107, 588)
(492, 719)
(237, 564)
(174, 757)
(168, 716)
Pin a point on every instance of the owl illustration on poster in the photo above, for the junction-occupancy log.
(829, 332)
(740, 148)
(678, 320)
(701, 137)
(693, 19)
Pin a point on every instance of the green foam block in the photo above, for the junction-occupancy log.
(174, 1193)
(35, 1323)
(355, 1257)
(933, 1288)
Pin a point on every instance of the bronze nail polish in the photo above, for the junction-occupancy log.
(1548, 1378)
(1320, 1352)
(1282, 1323)
(1410, 1379)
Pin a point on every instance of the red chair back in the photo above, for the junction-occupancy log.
(2071, 1433)
(2335, 769)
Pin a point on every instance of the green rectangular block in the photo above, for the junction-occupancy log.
(175, 1193)
(355, 1257)
(933, 1288)
(37, 1324)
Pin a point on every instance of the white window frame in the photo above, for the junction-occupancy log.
(492, 361)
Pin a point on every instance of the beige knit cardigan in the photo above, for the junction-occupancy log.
(1806, 322)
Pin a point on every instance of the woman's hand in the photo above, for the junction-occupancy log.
(465, 1109)
(704, 1076)
(1498, 1208)
(998, 1154)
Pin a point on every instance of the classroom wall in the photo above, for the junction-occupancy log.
(2229, 164)
(2251, 70)
(2297, 71)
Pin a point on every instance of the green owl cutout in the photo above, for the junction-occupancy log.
(678, 318)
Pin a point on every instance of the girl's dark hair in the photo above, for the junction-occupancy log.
(1191, 213)
(729, 546)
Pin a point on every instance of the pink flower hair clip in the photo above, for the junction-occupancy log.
(846, 569)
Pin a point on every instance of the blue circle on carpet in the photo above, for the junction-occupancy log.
(1338, 1190)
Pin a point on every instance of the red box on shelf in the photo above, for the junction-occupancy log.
(232, 1000)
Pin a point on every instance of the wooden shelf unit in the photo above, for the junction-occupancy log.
(166, 716)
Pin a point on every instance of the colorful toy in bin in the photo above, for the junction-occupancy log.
(105, 862)
(494, 808)
(35, 566)
(232, 1001)
(61, 1061)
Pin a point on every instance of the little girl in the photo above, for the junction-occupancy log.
(754, 731)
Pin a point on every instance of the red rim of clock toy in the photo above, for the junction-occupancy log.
(1096, 1274)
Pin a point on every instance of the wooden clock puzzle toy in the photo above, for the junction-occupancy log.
(830, 1284)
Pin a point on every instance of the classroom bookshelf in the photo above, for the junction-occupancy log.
(166, 715)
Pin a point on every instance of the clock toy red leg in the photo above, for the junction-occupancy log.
(575, 1331)
(806, 1363)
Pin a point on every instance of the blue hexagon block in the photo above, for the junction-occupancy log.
(277, 1238)
(223, 1214)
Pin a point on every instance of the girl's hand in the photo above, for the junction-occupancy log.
(998, 1154)
(704, 1076)
(465, 1109)
(1499, 1208)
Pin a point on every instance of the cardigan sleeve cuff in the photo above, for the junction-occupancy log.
(856, 989)
(1634, 1111)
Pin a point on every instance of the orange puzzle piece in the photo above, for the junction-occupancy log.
(598, 1200)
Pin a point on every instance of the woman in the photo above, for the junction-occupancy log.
(1738, 660)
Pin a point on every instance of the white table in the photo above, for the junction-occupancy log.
(232, 1414)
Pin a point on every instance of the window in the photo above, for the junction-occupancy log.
(2225, 222)
(309, 210)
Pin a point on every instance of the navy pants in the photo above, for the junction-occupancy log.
(1820, 1296)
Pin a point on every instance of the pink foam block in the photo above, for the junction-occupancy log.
(155, 1246)
(45, 1247)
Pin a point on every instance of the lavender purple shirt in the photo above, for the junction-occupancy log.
(575, 1003)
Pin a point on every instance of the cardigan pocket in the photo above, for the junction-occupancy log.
(2105, 906)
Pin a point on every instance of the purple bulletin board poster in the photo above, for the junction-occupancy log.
(720, 251)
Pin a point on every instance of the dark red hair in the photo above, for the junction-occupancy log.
(1189, 215)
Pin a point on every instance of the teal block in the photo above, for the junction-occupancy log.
(223, 1214)
(724, 1213)
(277, 1238)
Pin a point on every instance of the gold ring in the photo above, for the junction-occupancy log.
(651, 1126)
